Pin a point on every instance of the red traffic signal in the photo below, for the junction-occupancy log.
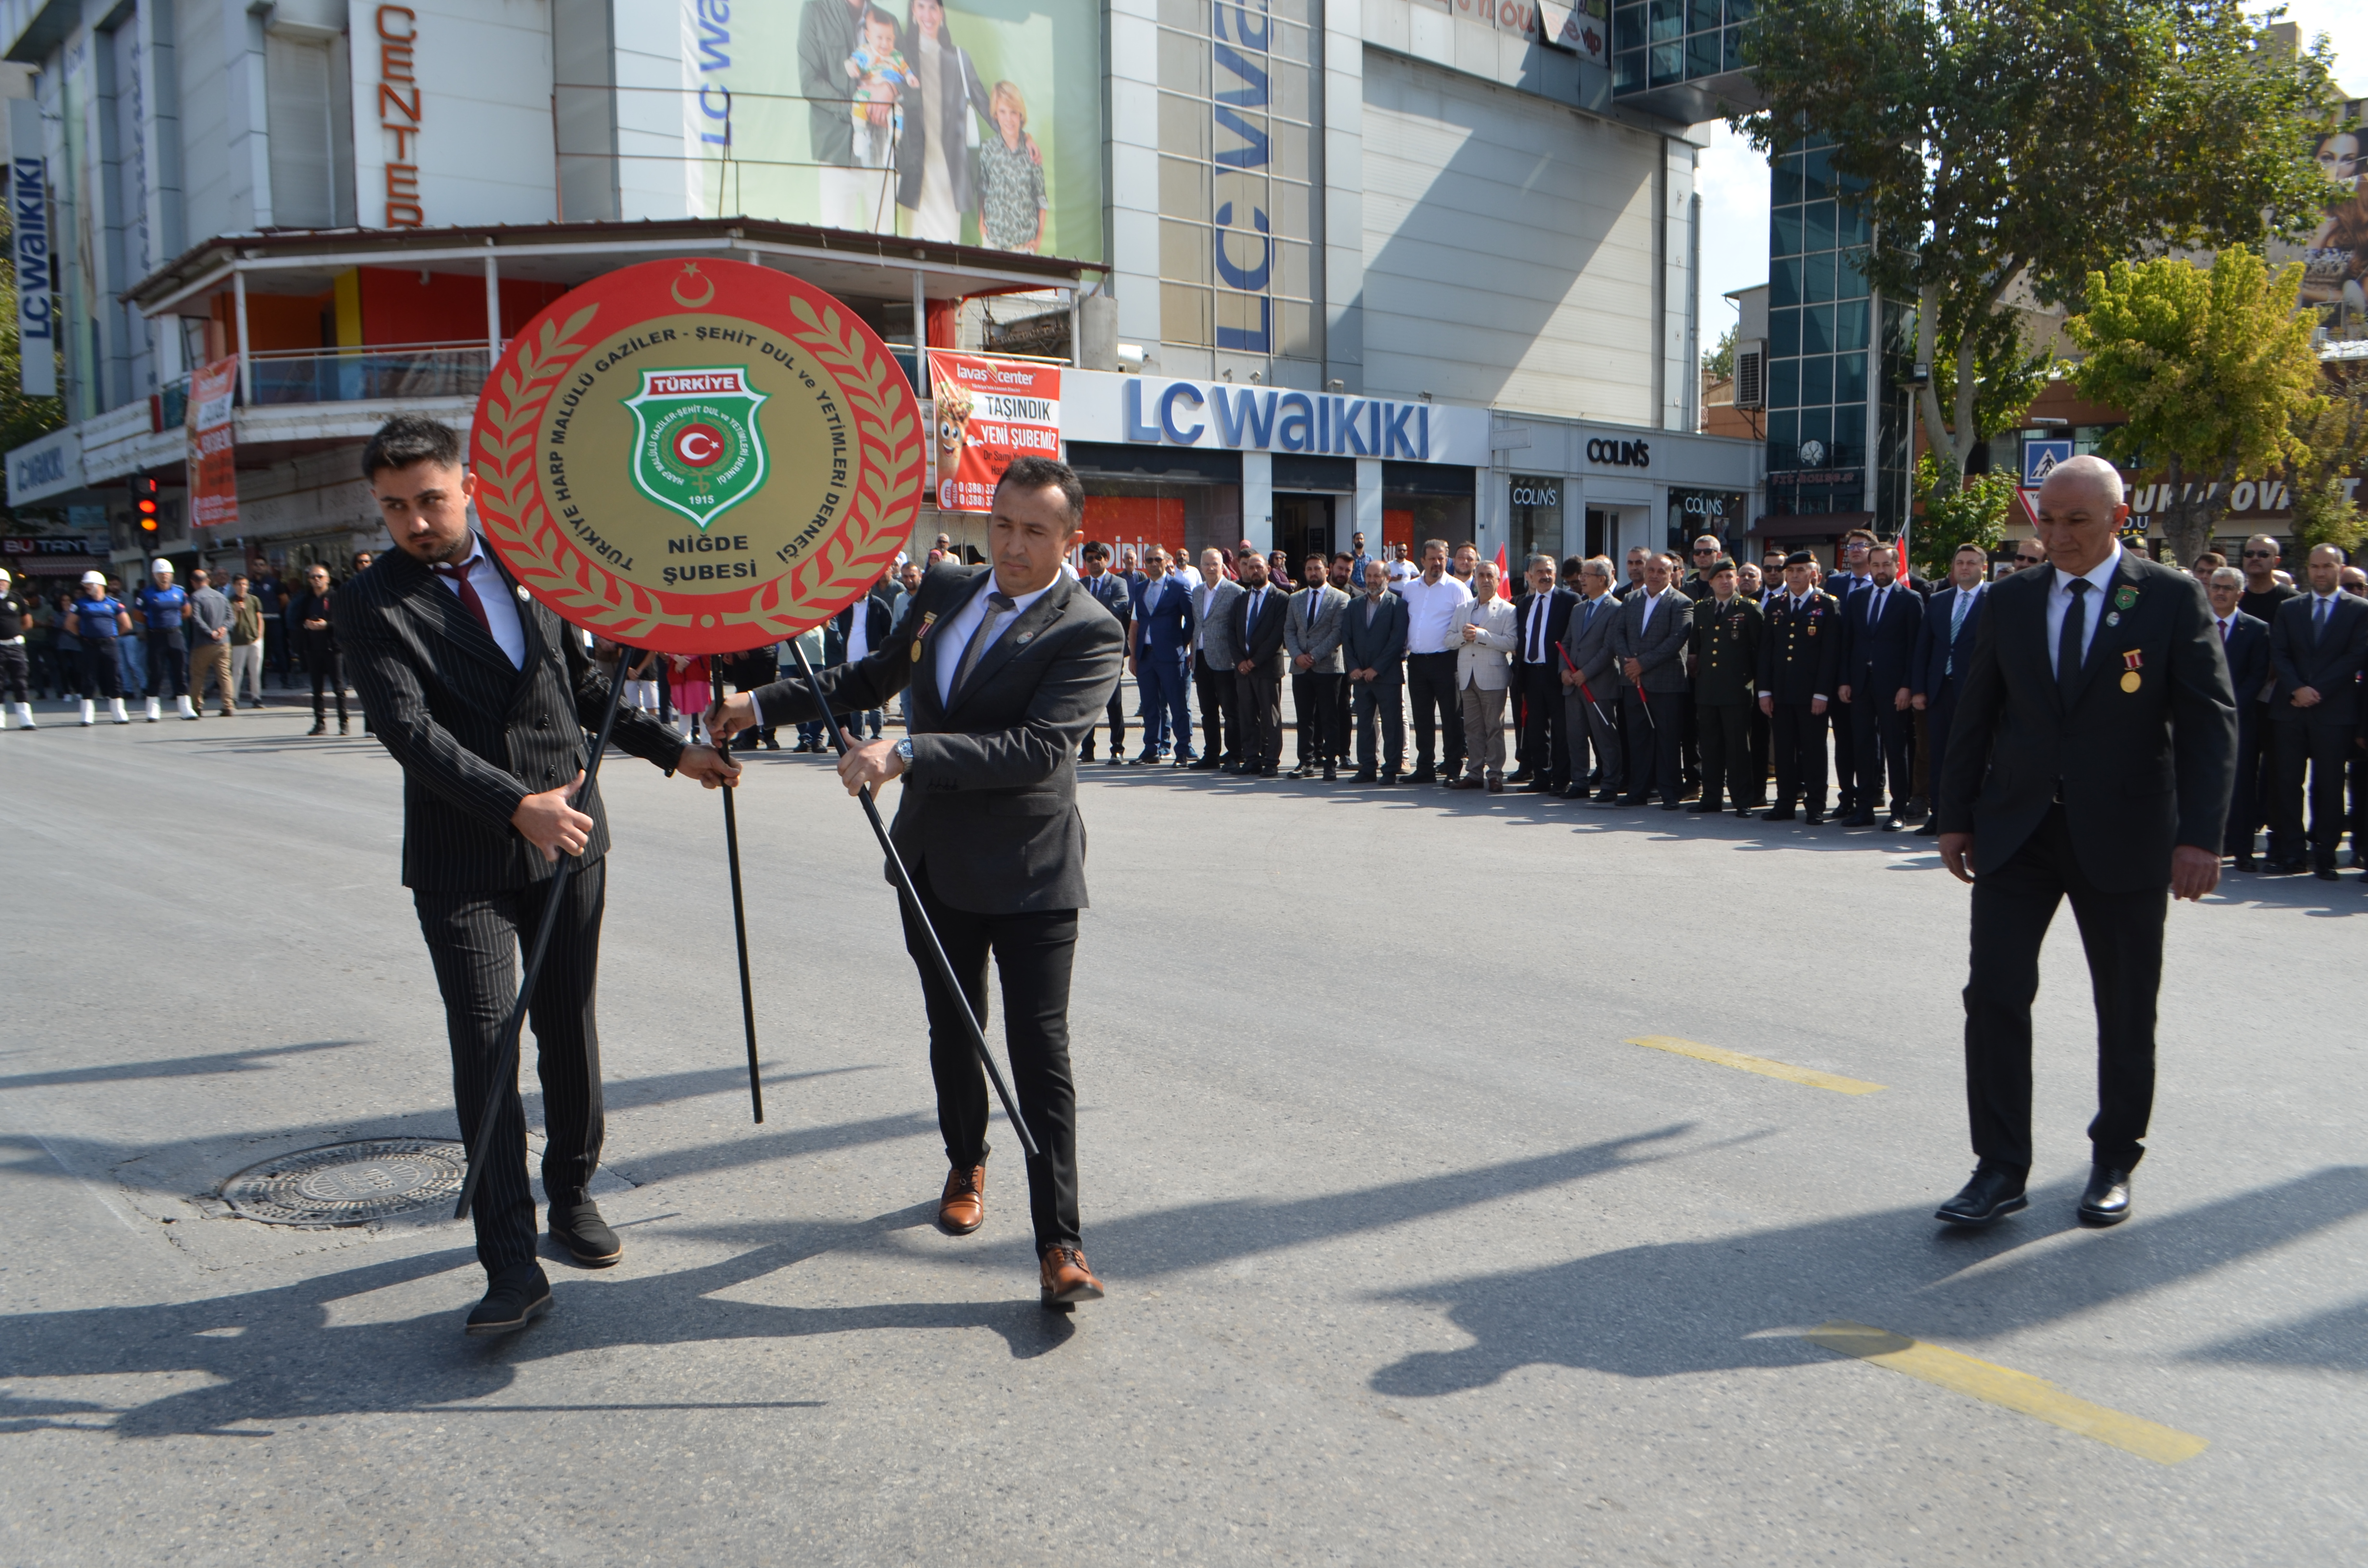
(143, 502)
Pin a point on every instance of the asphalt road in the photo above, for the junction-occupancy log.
(1414, 1258)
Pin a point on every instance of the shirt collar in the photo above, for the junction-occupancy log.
(2097, 576)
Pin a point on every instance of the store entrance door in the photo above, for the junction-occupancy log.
(1302, 524)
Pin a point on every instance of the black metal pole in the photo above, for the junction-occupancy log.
(505, 1075)
(944, 965)
(740, 932)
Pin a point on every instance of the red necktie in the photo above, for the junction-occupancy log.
(459, 579)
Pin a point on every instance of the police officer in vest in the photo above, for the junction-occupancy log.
(16, 695)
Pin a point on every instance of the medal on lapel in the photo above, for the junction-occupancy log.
(928, 620)
(2132, 662)
(2126, 597)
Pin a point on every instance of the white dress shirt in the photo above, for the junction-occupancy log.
(501, 611)
(954, 635)
(2092, 613)
(858, 631)
(1430, 612)
(1533, 637)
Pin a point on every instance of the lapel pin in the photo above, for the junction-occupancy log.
(2115, 619)
(524, 598)
(1025, 635)
(2126, 597)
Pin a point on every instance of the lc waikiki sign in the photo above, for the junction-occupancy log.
(1269, 419)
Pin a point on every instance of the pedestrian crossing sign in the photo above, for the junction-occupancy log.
(2040, 458)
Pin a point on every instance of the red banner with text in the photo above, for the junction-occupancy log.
(989, 412)
(213, 467)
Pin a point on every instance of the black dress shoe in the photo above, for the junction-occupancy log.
(1207, 765)
(1331, 774)
(1672, 805)
(1423, 776)
(2106, 1199)
(1859, 819)
(1931, 828)
(1575, 792)
(1521, 776)
(1995, 1192)
(2277, 867)
(1745, 812)
(2246, 863)
(1705, 809)
(1633, 801)
(1271, 770)
(1894, 822)
(1364, 775)
(2324, 869)
(575, 1225)
(514, 1298)
(1781, 813)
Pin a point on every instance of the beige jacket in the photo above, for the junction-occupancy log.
(1486, 661)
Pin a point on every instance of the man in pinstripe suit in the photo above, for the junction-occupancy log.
(1006, 669)
(483, 696)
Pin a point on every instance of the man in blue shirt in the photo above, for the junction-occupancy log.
(97, 621)
(159, 609)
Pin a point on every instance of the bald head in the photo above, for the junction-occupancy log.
(2087, 475)
(2080, 509)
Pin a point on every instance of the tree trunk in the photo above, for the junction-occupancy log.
(2191, 510)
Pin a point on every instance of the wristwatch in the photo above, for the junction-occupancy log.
(904, 750)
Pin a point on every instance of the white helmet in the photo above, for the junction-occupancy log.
(90, 577)
(161, 566)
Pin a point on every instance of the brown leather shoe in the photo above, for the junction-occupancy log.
(961, 1208)
(1067, 1279)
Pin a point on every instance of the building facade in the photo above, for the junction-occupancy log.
(1427, 221)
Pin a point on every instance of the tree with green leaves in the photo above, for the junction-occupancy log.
(1958, 509)
(2323, 468)
(1720, 364)
(2004, 150)
(22, 417)
(2213, 367)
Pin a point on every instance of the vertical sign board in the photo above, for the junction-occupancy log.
(28, 205)
(989, 412)
(213, 467)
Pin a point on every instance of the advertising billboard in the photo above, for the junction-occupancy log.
(975, 122)
(989, 412)
(2335, 267)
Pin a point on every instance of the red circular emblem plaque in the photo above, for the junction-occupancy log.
(697, 457)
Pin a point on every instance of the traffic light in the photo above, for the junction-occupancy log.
(143, 502)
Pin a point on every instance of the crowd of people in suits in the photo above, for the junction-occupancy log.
(1777, 688)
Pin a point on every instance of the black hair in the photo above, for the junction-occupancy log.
(1043, 474)
(409, 439)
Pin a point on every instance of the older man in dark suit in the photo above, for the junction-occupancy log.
(2245, 640)
(1880, 623)
(1590, 691)
(483, 695)
(1944, 645)
(1655, 627)
(1007, 667)
(1544, 615)
(2093, 757)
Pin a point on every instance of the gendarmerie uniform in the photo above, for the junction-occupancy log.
(1800, 658)
(1727, 682)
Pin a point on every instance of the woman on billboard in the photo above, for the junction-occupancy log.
(937, 167)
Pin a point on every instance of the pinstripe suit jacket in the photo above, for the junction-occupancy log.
(989, 803)
(475, 735)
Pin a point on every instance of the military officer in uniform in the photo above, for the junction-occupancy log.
(1800, 659)
(1726, 672)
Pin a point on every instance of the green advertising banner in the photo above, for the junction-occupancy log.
(977, 123)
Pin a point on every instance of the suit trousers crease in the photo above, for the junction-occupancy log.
(1034, 956)
(1221, 716)
(1797, 737)
(1545, 732)
(2323, 749)
(1725, 730)
(1379, 704)
(1438, 713)
(1657, 723)
(1315, 697)
(1166, 716)
(475, 941)
(1484, 729)
(2121, 934)
(1259, 695)
(1880, 734)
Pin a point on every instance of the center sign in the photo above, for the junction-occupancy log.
(697, 457)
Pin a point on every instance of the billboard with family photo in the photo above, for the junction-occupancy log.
(975, 122)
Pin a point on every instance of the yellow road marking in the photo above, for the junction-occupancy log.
(1760, 1064)
(2003, 1386)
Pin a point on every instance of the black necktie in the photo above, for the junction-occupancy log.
(2068, 646)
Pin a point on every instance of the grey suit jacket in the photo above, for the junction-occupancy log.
(1312, 628)
(1658, 647)
(987, 810)
(1588, 642)
(1213, 603)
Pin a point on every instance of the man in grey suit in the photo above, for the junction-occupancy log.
(1374, 645)
(1311, 636)
(1213, 658)
(1649, 639)
(1588, 692)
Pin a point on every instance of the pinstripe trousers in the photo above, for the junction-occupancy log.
(473, 940)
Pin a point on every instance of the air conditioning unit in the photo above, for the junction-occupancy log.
(1751, 375)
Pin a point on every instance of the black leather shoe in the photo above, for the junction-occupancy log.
(514, 1298)
(1781, 813)
(2324, 869)
(2246, 863)
(1814, 817)
(1745, 812)
(1859, 819)
(575, 1225)
(1423, 776)
(1931, 828)
(1894, 822)
(1330, 773)
(1207, 765)
(1995, 1192)
(2282, 868)
(1364, 775)
(1270, 771)
(1705, 808)
(1673, 805)
(1634, 800)
(2106, 1199)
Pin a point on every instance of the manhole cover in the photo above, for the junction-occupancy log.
(350, 1184)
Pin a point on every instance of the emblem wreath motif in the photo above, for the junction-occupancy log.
(697, 411)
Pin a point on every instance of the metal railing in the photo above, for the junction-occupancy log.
(355, 375)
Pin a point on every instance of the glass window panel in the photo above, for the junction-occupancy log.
(1851, 227)
(1184, 255)
(1702, 55)
(1783, 383)
(1628, 27)
(1701, 16)
(1291, 10)
(1817, 330)
(1816, 379)
(1185, 16)
(1849, 275)
(1628, 70)
(1784, 181)
(1784, 438)
(1739, 10)
(1817, 277)
(1783, 335)
(1184, 63)
(1817, 226)
(1850, 434)
(1289, 41)
(1784, 280)
(1288, 94)
(1665, 20)
(1290, 150)
(1818, 424)
(1287, 211)
(1250, 314)
(1850, 325)
(1669, 64)
(1785, 232)
(1296, 331)
(1817, 171)
(1184, 315)
(1183, 126)
(1293, 268)
(1184, 190)
(1734, 61)
(1850, 378)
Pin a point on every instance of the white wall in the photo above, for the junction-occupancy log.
(484, 148)
(1510, 248)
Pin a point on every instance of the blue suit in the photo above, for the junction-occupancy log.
(1162, 626)
(1876, 653)
(1937, 671)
